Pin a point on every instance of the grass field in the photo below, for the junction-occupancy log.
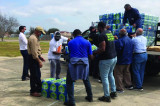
(11, 49)
(10, 38)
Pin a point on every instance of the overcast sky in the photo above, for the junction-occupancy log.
(68, 15)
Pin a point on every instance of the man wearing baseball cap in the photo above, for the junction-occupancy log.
(40, 29)
(35, 61)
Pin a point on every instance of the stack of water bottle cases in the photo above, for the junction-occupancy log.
(115, 21)
(56, 89)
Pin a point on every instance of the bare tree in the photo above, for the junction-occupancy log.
(3, 22)
(7, 25)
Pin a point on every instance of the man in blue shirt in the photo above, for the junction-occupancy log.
(79, 49)
(139, 59)
(124, 49)
(132, 14)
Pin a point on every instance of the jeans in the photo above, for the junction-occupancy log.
(106, 68)
(138, 68)
(35, 75)
(25, 64)
(70, 88)
(55, 67)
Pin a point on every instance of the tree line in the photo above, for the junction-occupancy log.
(9, 25)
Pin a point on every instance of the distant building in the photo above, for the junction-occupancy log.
(66, 34)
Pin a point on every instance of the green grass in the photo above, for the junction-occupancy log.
(11, 49)
(9, 38)
(44, 46)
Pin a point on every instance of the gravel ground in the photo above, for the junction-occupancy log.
(14, 92)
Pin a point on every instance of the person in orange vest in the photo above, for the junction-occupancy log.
(54, 54)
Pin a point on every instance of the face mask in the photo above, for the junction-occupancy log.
(99, 31)
(57, 38)
(41, 36)
(94, 31)
(72, 37)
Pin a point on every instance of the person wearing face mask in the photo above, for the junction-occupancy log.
(93, 36)
(94, 68)
(35, 61)
(54, 54)
(23, 49)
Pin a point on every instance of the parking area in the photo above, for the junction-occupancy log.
(14, 92)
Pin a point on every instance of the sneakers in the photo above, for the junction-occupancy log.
(27, 78)
(129, 87)
(69, 104)
(89, 99)
(138, 89)
(105, 99)
(113, 95)
(100, 81)
(35, 94)
(120, 91)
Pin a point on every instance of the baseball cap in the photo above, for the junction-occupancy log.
(57, 33)
(39, 28)
(91, 27)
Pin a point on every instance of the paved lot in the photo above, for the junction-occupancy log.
(14, 92)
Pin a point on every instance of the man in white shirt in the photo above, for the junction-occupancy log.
(139, 59)
(54, 54)
(23, 49)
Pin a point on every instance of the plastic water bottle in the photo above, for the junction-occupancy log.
(66, 50)
(94, 47)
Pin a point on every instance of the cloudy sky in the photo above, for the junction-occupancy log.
(68, 15)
